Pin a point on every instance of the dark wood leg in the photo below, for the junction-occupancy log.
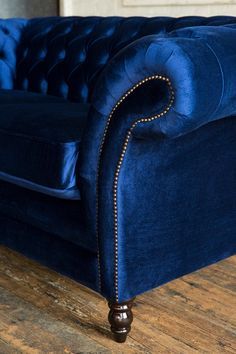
(120, 318)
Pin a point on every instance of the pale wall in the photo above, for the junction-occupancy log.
(148, 7)
(28, 8)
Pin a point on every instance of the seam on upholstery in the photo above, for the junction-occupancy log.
(115, 185)
(37, 138)
(222, 76)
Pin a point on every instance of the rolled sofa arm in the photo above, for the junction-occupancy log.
(198, 61)
(155, 88)
(200, 64)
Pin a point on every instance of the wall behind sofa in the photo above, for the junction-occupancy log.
(28, 8)
(148, 7)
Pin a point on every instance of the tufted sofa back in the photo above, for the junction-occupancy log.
(63, 56)
(10, 36)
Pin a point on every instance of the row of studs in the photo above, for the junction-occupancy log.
(124, 148)
(115, 186)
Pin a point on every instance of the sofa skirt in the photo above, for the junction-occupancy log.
(49, 250)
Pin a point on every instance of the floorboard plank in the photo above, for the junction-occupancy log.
(194, 314)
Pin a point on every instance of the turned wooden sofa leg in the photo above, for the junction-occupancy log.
(120, 318)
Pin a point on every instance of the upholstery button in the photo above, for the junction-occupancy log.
(44, 86)
(62, 55)
(25, 84)
(5, 31)
(25, 53)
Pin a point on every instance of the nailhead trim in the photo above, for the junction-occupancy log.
(115, 185)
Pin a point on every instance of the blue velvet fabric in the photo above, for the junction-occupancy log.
(200, 63)
(62, 218)
(64, 56)
(186, 219)
(176, 187)
(64, 257)
(10, 38)
(190, 58)
(177, 209)
(39, 142)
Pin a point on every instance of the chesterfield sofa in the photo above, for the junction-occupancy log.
(118, 149)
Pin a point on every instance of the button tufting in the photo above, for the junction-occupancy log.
(10, 36)
(76, 49)
(5, 31)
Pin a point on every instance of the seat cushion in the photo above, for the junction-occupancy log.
(39, 142)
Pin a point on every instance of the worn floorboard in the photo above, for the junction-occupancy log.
(44, 312)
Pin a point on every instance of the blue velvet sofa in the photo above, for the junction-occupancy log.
(118, 149)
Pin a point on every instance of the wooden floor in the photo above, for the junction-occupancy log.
(43, 312)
